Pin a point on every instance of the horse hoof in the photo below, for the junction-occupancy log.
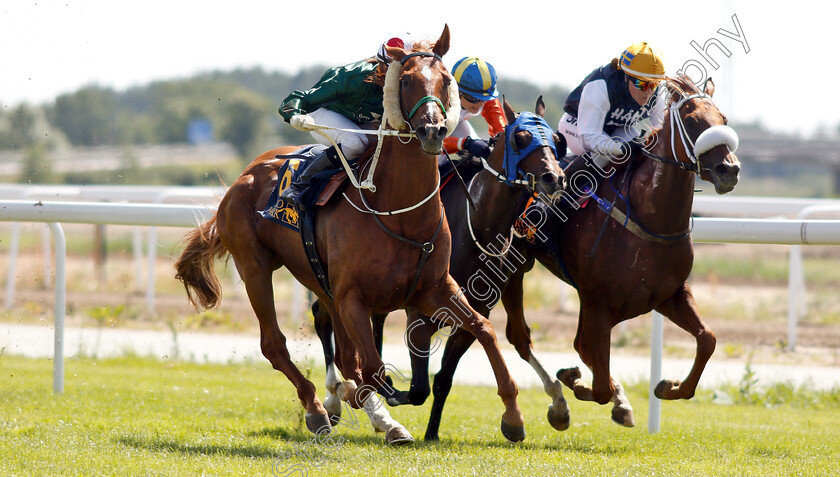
(665, 389)
(398, 436)
(333, 406)
(398, 399)
(568, 376)
(559, 420)
(318, 423)
(513, 433)
(623, 417)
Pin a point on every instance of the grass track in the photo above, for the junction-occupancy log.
(133, 416)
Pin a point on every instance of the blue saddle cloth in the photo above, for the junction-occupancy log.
(283, 211)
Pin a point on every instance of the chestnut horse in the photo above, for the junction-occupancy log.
(621, 267)
(375, 264)
(525, 149)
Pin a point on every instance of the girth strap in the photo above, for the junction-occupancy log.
(426, 249)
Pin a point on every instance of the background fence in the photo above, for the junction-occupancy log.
(143, 207)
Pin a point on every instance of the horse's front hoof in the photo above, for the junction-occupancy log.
(568, 376)
(398, 399)
(513, 433)
(318, 423)
(623, 417)
(666, 389)
(398, 436)
(333, 406)
(559, 419)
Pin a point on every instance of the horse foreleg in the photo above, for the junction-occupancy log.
(450, 305)
(355, 319)
(592, 343)
(273, 344)
(323, 327)
(417, 337)
(519, 336)
(681, 309)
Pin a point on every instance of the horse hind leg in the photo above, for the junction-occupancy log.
(273, 343)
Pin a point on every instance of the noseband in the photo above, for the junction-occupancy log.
(540, 137)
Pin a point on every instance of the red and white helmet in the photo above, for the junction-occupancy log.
(403, 41)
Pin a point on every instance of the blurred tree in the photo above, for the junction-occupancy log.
(36, 167)
(88, 116)
(245, 123)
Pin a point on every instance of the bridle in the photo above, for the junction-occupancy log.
(424, 99)
(708, 139)
(541, 136)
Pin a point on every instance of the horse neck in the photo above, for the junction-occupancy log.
(498, 204)
(662, 194)
(404, 177)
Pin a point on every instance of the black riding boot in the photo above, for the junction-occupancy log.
(328, 159)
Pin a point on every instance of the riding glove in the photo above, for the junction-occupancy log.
(302, 122)
(476, 147)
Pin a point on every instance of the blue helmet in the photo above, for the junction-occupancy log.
(476, 78)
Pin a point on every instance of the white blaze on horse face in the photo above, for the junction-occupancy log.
(427, 73)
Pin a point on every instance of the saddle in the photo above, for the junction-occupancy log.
(321, 188)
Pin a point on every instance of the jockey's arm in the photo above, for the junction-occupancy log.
(494, 115)
(592, 115)
(329, 88)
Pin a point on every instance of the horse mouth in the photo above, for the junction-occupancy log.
(432, 147)
(725, 175)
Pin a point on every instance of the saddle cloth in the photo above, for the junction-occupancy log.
(321, 187)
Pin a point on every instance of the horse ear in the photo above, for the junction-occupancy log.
(539, 109)
(395, 52)
(709, 87)
(510, 114)
(442, 44)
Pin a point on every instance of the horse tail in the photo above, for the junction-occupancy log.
(196, 266)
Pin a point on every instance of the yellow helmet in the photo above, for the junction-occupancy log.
(641, 62)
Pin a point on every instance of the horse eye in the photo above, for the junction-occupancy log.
(406, 81)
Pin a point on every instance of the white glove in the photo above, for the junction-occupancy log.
(303, 122)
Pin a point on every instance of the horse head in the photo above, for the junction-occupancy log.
(421, 94)
(701, 128)
(529, 154)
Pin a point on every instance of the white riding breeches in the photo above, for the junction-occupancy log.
(352, 144)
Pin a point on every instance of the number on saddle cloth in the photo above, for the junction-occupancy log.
(284, 211)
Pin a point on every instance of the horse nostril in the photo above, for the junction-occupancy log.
(727, 169)
(549, 178)
(442, 132)
(422, 132)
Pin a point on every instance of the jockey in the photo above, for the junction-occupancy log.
(605, 114)
(346, 97)
(478, 93)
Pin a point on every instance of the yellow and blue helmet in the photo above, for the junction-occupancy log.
(476, 78)
(640, 61)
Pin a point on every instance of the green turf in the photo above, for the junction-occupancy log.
(133, 416)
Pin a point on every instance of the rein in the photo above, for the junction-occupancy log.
(708, 139)
(381, 132)
(509, 241)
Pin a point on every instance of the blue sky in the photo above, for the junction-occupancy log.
(51, 47)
